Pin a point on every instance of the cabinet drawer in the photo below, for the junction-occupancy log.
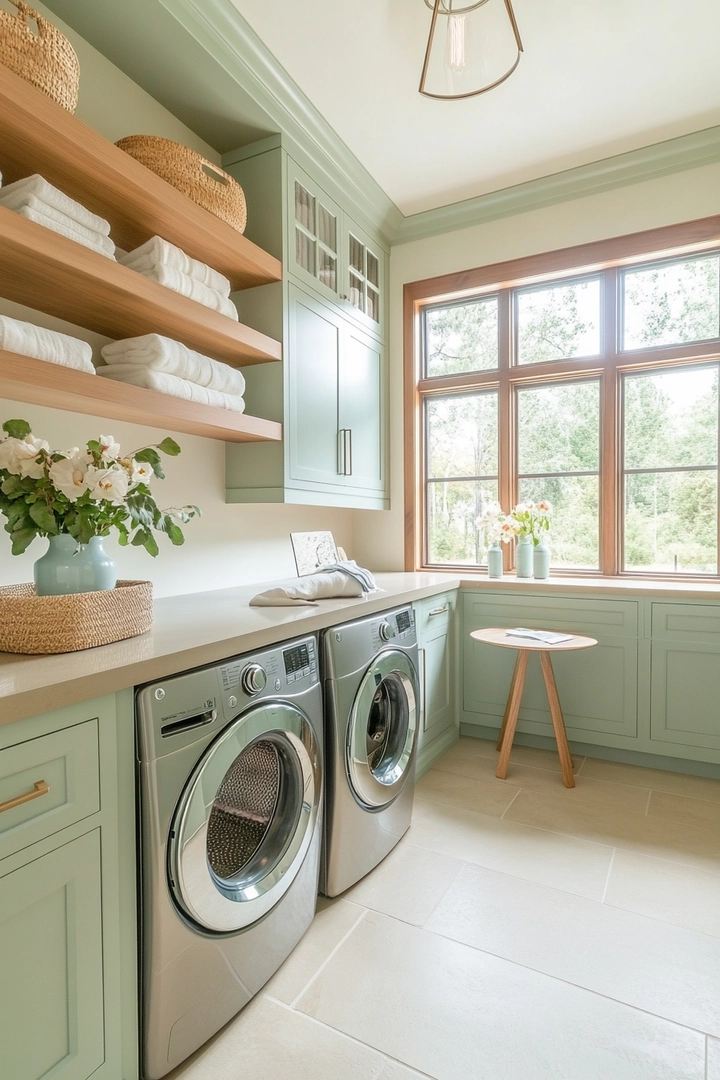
(686, 622)
(60, 772)
(434, 612)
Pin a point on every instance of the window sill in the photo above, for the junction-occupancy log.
(596, 586)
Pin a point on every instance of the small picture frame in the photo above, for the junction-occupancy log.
(313, 551)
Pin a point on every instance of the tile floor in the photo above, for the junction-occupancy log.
(519, 931)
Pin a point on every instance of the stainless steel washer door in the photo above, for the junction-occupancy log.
(246, 819)
(382, 729)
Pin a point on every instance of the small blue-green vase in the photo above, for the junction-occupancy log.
(495, 561)
(524, 557)
(68, 567)
(541, 561)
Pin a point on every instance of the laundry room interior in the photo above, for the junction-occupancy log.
(404, 323)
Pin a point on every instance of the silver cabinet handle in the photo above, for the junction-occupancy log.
(349, 453)
(423, 688)
(341, 452)
(437, 611)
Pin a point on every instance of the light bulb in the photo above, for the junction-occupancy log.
(455, 57)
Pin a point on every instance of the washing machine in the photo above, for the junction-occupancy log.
(230, 763)
(371, 724)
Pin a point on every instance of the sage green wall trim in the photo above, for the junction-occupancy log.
(607, 753)
(433, 751)
(674, 155)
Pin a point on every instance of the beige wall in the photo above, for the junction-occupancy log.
(229, 545)
(668, 200)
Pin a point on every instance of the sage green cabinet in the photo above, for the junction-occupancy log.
(436, 630)
(685, 682)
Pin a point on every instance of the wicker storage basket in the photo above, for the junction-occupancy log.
(191, 173)
(58, 624)
(46, 59)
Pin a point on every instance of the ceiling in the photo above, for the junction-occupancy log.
(598, 78)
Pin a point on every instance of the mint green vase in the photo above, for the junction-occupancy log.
(69, 567)
(541, 561)
(524, 557)
(495, 561)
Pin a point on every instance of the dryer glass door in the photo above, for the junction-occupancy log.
(245, 819)
(382, 730)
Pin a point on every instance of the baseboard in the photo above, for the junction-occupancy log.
(431, 751)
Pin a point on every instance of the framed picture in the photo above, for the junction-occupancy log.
(313, 551)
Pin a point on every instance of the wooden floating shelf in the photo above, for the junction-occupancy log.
(37, 382)
(39, 136)
(48, 272)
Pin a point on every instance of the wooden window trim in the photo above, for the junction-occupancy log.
(607, 256)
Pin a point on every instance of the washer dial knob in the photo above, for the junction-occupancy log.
(253, 679)
(386, 631)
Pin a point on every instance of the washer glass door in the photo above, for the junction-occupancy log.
(382, 730)
(245, 819)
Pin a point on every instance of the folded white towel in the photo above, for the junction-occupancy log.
(30, 340)
(158, 252)
(190, 287)
(139, 375)
(22, 200)
(52, 196)
(163, 354)
(307, 590)
(65, 230)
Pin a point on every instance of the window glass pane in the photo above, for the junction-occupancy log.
(671, 522)
(672, 303)
(559, 427)
(462, 435)
(671, 419)
(573, 538)
(558, 321)
(461, 337)
(453, 508)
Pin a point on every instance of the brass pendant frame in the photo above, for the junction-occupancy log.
(443, 8)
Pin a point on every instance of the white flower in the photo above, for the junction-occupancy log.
(8, 455)
(140, 472)
(111, 484)
(27, 451)
(70, 474)
(109, 449)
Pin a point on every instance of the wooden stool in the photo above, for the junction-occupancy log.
(525, 646)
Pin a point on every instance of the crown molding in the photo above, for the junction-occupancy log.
(634, 167)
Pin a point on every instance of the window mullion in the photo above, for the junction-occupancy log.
(610, 484)
(507, 456)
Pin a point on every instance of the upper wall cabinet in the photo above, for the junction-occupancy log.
(329, 311)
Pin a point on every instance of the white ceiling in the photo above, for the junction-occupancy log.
(598, 77)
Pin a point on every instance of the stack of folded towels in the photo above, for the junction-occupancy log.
(344, 578)
(171, 267)
(34, 198)
(42, 344)
(159, 363)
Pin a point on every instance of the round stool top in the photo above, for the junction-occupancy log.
(495, 636)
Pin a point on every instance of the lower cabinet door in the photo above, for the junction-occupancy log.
(51, 982)
(437, 684)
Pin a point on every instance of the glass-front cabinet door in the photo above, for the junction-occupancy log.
(314, 245)
(364, 278)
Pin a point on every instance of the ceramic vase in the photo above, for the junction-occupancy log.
(69, 567)
(541, 561)
(524, 557)
(495, 561)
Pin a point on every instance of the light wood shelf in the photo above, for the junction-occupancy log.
(46, 271)
(37, 382)
(39, 136)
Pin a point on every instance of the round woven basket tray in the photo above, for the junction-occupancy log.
(191, 173)
(46, 58)
(56, 624)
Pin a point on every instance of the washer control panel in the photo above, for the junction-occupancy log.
(394, 627)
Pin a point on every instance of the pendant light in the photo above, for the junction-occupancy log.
(472, 47)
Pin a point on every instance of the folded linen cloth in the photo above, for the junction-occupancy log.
(21, 201)
(139, 375)
(307, 590)
(39, 187)
(30, 340)
(66, 230)
(159, 252)
(359, 573)
(192, 288)
(160, 353)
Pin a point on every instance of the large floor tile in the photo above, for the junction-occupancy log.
(606, 825)
(521, 755)
(333, 920)
(267, 1041)
(460, 1014)
(651, 965)
(699, 787)
(660, 889)
(466, 792)
(395, 1071)
(538, 855)
(407, 884)
(713, 1060)
(684, 809)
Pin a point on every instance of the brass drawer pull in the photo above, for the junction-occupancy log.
(437, 611)
(40, 788)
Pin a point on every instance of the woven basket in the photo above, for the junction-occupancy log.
(58, 624)
(191, 173)
(46, 58)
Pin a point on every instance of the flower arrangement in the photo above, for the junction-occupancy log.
(532, 519)
(83, 493)
(495, 525)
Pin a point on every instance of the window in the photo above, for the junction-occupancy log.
(589, 377)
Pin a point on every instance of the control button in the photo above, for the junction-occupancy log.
(306, 671)
(232, 701)
(159, 694)
(386, 631)
(253, 679)
(278, 684)
(338, 637)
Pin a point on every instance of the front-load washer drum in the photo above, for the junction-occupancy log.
(382, 730)
(245, 819)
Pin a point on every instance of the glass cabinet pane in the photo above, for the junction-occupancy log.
(327, 269)
(356, 294)
(373, 269)
(305, 251)
(356, 255)
(372, 303)
(304, 207)
(326, 228)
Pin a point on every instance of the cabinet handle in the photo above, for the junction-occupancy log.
(40, 788)
(341, 452)
(437, 611)
(423, 688)
(349, 453)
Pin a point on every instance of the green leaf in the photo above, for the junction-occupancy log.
(17, 429)
(140, 538)
(174, 532)
(152, 458)
(169, 447)
(151, 546)
(43, 517)
(21, 540)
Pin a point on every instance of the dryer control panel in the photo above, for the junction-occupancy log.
(349, 647)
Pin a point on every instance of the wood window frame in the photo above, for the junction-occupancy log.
(605, 256)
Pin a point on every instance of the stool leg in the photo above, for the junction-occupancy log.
(514, 680)
(557, 720)
(511, 713)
